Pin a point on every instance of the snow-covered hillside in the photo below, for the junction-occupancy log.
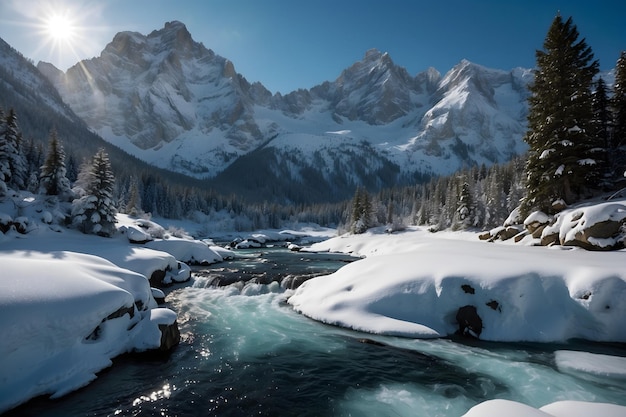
(176, 104)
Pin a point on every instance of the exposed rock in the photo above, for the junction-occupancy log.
(559, 205)
(470, 323)
(468, 289)
(494, 305)
(508, 232)
(521, 235)
(484, 236)
(157, 278)
(170, 336)
(549, 237)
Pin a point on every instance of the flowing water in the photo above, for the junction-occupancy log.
(245, 352)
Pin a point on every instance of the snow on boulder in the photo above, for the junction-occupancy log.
(161, 267)
(64, 316)
(536, 222)
(135, 235)
(598, 227)
(159, 330)
(222, 252)
(188, 251)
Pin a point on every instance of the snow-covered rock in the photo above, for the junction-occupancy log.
(188, 251)
(595, 227)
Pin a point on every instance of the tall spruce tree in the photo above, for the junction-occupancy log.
(465, 207)
(53, 179)
(562, 162)
(618, 143)
(602, 124)
(95, 211)
(12, 161)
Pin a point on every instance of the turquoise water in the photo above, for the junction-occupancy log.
(245, 352)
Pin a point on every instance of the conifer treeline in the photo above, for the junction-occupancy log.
(478, 197)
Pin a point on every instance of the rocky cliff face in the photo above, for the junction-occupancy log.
(176, 104)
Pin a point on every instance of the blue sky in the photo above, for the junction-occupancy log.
(290, 44)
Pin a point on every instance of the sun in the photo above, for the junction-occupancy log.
(61, 29)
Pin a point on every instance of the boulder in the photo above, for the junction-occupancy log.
(136, 235)
(170, 336)
(157, 278)
(521, 235)
(470, 323)
(536, 222)
(599, 236)
(508, 232)
(549, 237)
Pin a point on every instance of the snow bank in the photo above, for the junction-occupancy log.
(591, 365)
(64, 316)
(499, 408)
(413, 285)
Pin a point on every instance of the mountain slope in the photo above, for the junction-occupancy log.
(39, 109)
(175, 104)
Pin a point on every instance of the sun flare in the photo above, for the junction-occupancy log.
(60, 28)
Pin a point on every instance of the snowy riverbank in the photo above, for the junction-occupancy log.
(71, 302)
(414, 284)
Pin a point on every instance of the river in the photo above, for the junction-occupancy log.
(245, 352)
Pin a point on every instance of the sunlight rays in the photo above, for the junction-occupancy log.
(65, 32)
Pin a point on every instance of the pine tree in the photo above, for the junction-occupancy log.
(133, 205)
(602, 124)
(15, 156)
(465, 207)
(361, 212)
(53, 179)
(618, 143)
(4, 159)
(95, 211)
(563, 151)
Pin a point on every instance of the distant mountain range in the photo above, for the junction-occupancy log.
(175, 104)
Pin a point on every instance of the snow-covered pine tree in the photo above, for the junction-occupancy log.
(53, 179)
(618, 142)
(465, 207)
(562, 161)
(12, 162)
(95, 211)
(361, 212)
(17, 161)
(4, 160)
(133, 205)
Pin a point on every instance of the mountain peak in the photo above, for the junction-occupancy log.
(372, 55)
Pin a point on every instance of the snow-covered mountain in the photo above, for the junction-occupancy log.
(17, 72)
(176, 104)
